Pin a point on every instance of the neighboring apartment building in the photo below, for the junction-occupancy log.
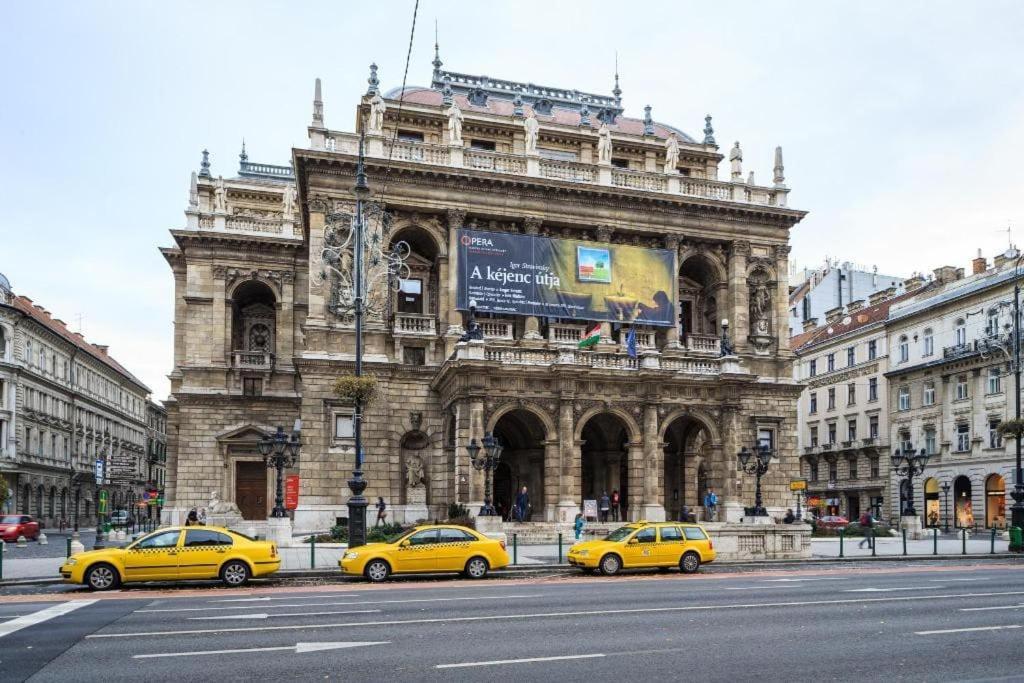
(69, 413)
(831, 286)
(949, 388)
(843, 411)
(156, 456)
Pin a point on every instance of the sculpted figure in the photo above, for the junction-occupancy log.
(454, 124)
(414, 472)
(736, 161)
(288, 201)
(532, 128)
(604, 144)
(760, 308)
(671, 153)
(375, 123)
(220, 195)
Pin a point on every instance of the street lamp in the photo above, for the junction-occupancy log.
(755, 463)
(945, 503)
(726, 349)
(488, 462)
(907, 464)
(799, 513)
(279, 451)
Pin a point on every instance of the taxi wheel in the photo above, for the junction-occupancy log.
(610, 565)
(689, 563)
(102, 577)
(377, 571)
(235, 573)
(477, 568)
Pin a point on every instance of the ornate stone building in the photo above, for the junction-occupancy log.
(258, 341)
(65, 404)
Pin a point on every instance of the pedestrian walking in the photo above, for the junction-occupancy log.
(382, 512)
(604, 506)
(577, 526)
(616, 502)
(867, 524)
(522, 505)
(711, 505)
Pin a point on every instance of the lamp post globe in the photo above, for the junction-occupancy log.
(756, 462)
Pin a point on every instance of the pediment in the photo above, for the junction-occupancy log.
(247, 434)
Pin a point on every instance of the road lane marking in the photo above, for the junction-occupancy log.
(266, 615)
(543, 615)
(753, 588)
(528, 660)
(889, 590)
(9, 627)
(987, 609)
(944, 580)
(293, 597)
(809, 578)
(967, 630)
(339, 604)
(298, 648)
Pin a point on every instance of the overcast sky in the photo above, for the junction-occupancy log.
(902, 123)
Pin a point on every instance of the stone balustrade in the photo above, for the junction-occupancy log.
(497, 329)
(703, 343)
(253, 360)
(413, 323)
(554, 169)
(247, 224)
(611, 359)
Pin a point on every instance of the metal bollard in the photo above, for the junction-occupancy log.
(904, 530)
(963, 534)
(842, 535)
(874, 540)
(515, 548)
(312, 552)
(3, 551)
(993, 549)
(69, 547)
(560, 547)
(935, 541)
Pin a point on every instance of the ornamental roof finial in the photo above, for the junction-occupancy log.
(709, 132)
(373, 81)
(204, 167)
(648, 121)
(242, 156)
(780, 170)
(617, 91)
(318, 106)
(437, 55)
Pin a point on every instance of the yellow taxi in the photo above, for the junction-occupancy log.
(646, 544)
(426, 549)
(175, 553)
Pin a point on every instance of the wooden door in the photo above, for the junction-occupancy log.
(251, 489)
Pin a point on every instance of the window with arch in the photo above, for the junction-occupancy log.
(960, 332)
(3, 341)
(928, 342)
(27, 353)
(904, 349)
(992, 324)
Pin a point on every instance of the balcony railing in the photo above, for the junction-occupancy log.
(497, 329)
(414, 323)
(703, 343)
(638, 180)
(565, 334)
(492, 161)
(254, 360)
(417, 151)
(568, 170)
(599, 359)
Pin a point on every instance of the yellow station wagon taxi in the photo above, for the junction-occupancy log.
(426, 549)
(646, 544)
(175, 553)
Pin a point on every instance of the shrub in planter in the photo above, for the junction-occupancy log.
(352, 388)
(466, 521)
(457, 510)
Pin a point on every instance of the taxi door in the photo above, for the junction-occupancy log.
(153, 558)
(453, 549)
(417, 553)
(670, 546)
(639, 550)
(202, 553)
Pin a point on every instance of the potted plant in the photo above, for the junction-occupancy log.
(359, 390)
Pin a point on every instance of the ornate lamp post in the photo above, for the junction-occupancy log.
(726, 349)
(907, 464)
(279, 451)
(488, 462)
(756, 463)
(945, 503)
(356, 256)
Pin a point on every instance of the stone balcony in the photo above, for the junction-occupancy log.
(415, 324)
(253, 360)
(530, 165)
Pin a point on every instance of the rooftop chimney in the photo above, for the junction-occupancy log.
(914, 282)
(833, 314)
(979, 265)
(855, 305)
(945, 274)
(810, 324)
(878, 297)
(102, 348)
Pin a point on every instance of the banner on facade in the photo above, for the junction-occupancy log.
(542, 276)
(291, 492)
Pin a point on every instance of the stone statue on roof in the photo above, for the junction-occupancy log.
(454, 124)
(375, 121)
(671, 153)
(604, 144)
(532, 128)
(288, 201)
(736, 161)
(220, 194)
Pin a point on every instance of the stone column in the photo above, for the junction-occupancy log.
(221, 312)
(569, 464)
(285, 333)
(456, 217)
(722, 474)
(739, 310)
(476, 431)
(444, 295)
(672, 336)
(782, 297)
(654, 464)
(552, 481)
(317, 291)
(635, 466)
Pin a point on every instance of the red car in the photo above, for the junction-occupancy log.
(12, 526)
(826, 522)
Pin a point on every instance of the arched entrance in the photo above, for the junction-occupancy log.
(686, 444)
(964, 512)
(995, 502)
(604, 460)
(932, 516)
(521, 434)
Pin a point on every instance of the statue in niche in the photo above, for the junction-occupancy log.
(414, 472)
(220, 194)
(532, 128)
(671, 153)
(375, 121)
(288, 201)
(604, 144)
(454, 124)
(760, 308)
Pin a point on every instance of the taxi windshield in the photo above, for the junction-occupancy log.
(395, 538)
(620, 533)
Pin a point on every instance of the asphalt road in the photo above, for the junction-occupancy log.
(912, 622)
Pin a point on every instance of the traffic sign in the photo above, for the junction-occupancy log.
(798, 485)
(102, 507)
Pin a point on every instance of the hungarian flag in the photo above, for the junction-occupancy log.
(591, 337)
